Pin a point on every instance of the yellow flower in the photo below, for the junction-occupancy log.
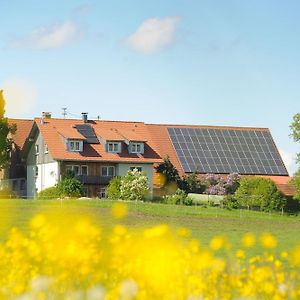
(248, 240)
(217, 243)
(119, 210)
(240, 254)
(268, 241)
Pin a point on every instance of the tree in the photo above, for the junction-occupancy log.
(295, 127)
(296, 183)
(134, 186)
(260, 192)
(169, 171)
(5, 130)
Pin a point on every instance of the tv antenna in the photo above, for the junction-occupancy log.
(64, 113)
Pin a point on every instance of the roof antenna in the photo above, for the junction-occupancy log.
(64, 112)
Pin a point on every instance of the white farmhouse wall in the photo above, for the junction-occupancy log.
(48, 175)
(123, 168)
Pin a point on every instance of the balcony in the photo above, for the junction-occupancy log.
(97, 180)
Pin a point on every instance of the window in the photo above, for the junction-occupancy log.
(114, 147)
(22, 185)
(137, 148)
(36, 171)
(84, 170)
(37, 149)
(15, 185)
(77, 170)
(46, 148)
(139, 169)
(108, 171)
(75, 146)
(102, 193)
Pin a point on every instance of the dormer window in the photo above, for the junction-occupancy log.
(136, 147)
(113, 147)
(75, 145)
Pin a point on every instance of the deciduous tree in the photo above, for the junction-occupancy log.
(5, 139)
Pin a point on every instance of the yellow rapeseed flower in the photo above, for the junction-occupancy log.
(119, 210)
(248, 240)
(268, 241)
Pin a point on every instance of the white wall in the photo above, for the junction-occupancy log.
(48, 175)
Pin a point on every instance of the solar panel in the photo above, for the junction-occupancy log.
(88, 132)
(208, 150)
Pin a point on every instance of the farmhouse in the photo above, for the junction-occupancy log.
(97, 150)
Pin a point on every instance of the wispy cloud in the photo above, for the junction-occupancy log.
(20, 96)
(82, 9)
(154, 35)
(50, 37)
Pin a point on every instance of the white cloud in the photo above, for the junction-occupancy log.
(154, 35)
(289, 160)
(50, 37)
(20, 96)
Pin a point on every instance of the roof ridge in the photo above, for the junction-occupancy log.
(209, 126)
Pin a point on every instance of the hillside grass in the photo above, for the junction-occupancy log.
(203, 223)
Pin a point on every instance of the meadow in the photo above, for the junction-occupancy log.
(99, 249)
(203, 222)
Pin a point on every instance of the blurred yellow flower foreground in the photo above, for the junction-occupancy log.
(73, 259)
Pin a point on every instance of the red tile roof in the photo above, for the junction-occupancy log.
(110, 130)
(23, 129)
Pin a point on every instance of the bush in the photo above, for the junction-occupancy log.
(49, 193)
(191, 184)
(230, 202)
(114, 188)
(134, 186)
(179, 197)
(68, 187)
(6, 193)
(259, 192)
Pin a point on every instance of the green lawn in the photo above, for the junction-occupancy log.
(204, 223)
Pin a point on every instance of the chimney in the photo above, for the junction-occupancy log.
(46, 115)
(84, 117)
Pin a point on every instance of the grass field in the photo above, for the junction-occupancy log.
(204, 223)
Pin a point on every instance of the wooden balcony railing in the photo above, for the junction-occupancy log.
(97, 180)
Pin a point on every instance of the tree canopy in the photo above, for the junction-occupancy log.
(295, 127)
(5, 129)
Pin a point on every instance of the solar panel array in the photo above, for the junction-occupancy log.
(221, 151)
(88, 132)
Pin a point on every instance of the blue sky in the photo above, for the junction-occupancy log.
(188, 62)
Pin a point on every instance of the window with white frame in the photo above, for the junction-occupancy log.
(137, 147)
(108, 171)
(77, 170)
(114, 147)
(84, 170)
(37, 149)
(139, 169)
(75, 145)
(46, 148)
